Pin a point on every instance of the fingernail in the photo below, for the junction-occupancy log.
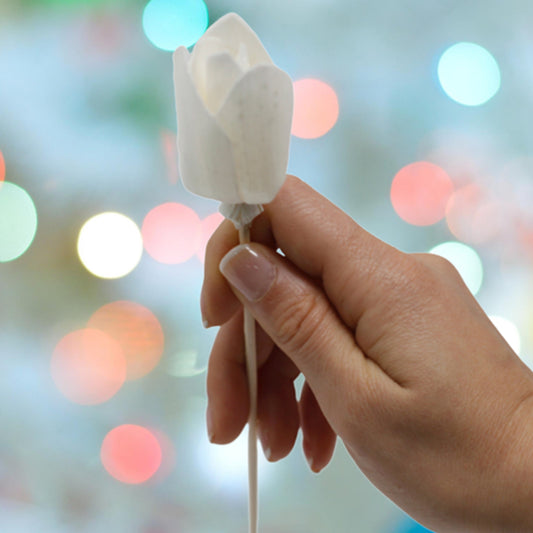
(268, 453)
(205, 322)
(209, 423)
(251, 273)
(309, 457)
(265, 443)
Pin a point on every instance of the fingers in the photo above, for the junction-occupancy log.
(227, 389)
(297, 316)
(227, 385)
(218, 303)
(355, 268)
(279, 413)
(277, 409)
(318, 437)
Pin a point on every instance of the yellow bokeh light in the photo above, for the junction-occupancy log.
(110, 245)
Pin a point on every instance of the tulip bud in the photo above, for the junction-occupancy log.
(234, 109)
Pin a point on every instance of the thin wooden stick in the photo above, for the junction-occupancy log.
(251, 370)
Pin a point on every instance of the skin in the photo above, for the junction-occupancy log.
(399, 361)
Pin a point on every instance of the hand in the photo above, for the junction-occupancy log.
(399, 360)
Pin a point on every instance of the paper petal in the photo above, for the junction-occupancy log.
(234, 31)
(204, 151)
(222, 74)
(202, 51)
(257, 118)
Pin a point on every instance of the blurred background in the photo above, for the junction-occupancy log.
(414, 117)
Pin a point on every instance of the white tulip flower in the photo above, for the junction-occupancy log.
(234, 109)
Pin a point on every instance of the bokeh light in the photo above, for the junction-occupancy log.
(132, 454)
(508, 331)
(169, 148)
(208, 227)
(171, 233)
(172, 23)
(2, 167)
(419, 193)
(168, 455)
(185, 364)
(88, 366)
(18, 221)
(110, 245)
(138, 332)
(226, 466)
(316, 108)
(472, 217)
(469, 74)
(465, 259)
(410, 526)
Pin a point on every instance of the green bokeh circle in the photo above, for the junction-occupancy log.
(18, 221)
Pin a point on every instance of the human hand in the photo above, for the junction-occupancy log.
(399, 361)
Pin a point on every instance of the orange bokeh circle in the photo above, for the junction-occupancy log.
(88, 366)
(138, 332)
(316, 108)
(419, 193)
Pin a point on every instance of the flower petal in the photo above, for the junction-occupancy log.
(222, 74)
(257, 117)
(233, 31)
(205, 152)
(202, 51)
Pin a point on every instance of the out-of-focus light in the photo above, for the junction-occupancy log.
(110, 245)
(18, 221)
(88, 366)
(171, 233)
(465, 260)
(138, 332)
(419, 193)
(168, 455)
(208, 227)
(2, 167)
(227, 467)
(316, 108)
(471, 217)
(172, 23)
(410, 526)
(132, 454)
(170, 153)
(469, 74)
(184, 364)
(508, 331)
(459, 210)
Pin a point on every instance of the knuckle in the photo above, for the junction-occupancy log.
(298, 322)
(438, 266)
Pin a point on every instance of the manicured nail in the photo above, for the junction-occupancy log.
(203, 306)
(310, 459)
(209, 423)
(311, 463)
(265, 442)
(268, 453)
(251, 273)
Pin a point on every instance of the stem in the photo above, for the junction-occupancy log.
(251, 370)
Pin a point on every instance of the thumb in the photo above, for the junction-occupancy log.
(297, 315)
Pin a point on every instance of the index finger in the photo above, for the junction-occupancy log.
(317, 237)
